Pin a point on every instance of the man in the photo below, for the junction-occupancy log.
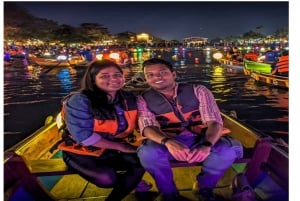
(181, 122)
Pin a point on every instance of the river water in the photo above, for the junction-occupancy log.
(31, 94)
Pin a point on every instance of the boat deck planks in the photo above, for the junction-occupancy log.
(184, 178)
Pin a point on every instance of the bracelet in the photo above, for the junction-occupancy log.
(164, 140)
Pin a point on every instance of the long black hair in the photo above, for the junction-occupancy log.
(99, 100)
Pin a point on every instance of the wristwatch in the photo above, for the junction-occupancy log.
(164, 140)
(207, 144)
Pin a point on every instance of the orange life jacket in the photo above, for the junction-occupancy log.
(172, 120)
(283, 64)
(102, 125)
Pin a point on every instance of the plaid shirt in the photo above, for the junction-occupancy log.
(208, 108)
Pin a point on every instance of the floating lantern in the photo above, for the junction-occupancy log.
(217, 55)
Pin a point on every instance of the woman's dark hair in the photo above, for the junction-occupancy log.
(153, 61)
(99, 100)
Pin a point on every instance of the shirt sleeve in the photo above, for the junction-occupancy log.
(80, 121)
(145, 116)
(208, 107)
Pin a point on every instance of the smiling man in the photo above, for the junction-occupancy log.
(181, 122)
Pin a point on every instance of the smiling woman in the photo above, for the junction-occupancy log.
(98, 120)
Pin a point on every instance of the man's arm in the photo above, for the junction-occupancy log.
(210, 113)
(148, 125)
(213, 132)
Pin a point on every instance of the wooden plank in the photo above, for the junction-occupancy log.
(69, 187)
(17, 176)
(240, 132)
(46, 167)
(277, 167)
(37, 145)
(184, 178)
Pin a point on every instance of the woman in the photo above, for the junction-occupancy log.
(99, 119)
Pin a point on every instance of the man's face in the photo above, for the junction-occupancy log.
(159, 76)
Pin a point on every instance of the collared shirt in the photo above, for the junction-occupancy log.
(208, 108)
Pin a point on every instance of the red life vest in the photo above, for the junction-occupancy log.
(102, 125)
(172, 120)
(283, 64)
(251, 56)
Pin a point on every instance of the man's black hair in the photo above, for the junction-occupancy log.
(153, 61)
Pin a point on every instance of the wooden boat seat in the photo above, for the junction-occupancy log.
(50, 167)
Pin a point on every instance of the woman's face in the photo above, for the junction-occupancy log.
(110, 80)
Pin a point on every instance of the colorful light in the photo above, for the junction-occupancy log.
(217, 55)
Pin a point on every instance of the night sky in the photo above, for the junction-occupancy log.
(169, 20)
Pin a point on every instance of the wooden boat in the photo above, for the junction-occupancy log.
(54, 62)
(33, 173)
(232, 66)
(257, 66)
(269, 79)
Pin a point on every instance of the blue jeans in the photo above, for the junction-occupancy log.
(155, 159)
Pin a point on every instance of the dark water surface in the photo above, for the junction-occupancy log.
(30, 95)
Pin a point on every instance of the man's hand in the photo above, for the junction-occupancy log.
(178, 150)
(198, 154)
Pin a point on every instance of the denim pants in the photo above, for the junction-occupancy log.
(155, 159)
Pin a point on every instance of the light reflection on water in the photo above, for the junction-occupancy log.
(31, 94)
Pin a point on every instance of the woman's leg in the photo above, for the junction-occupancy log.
(111, 170)
(127, 181)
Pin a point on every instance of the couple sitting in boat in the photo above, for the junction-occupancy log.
(178, 122)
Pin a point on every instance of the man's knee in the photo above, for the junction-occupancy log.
(150, 153)
(229, 147)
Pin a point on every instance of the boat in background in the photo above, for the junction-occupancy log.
(232, 66)
(268, 78)
(59, 61)
(257, 66)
